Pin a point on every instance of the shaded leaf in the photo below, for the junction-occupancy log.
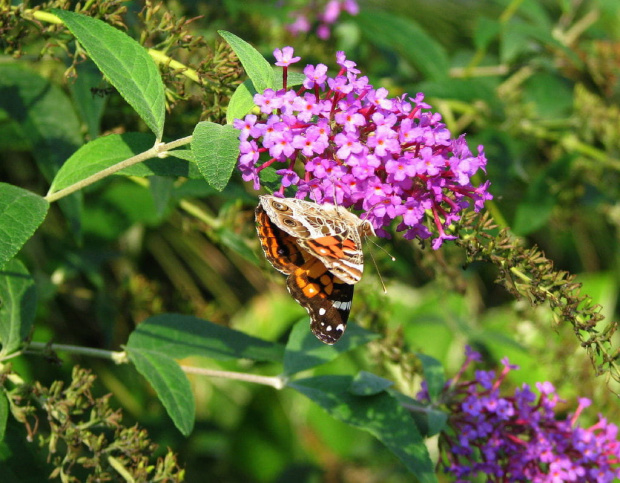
(380, 414)
(18, 303)
(37, 105)
(408, 39)
(21, 213)
(180, 336)
(428, 419)
(433, 375)
(4, 413)
(170, 383)
(304, 350)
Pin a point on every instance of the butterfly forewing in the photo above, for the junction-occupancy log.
(280, 248)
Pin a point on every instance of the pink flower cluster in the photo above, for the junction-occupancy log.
(339, 140)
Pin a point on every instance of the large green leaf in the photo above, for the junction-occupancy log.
(256, 66)
(21, 213)
(157, 341)
(106, 151)
(171, 385)
(304, 350)
(125, 63)
(408, 39)
(180, 336)
(216, 149)
(380, 414)
(18, 302)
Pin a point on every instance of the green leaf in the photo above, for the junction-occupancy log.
(236, 242)
(18, 303)
(304, 350)
(380, 414)
(519, 38)
(368, 384)
(4, 414)
(241, 102)
(37, 105)
(170, 383)
(429, 420)
(408, 39)
(106, 151)
(185, 154)
(534, 211)
(487, 30)
(292, 79)
(216, 149)
(89, 104)
(21, 213)
(255, 65)
(125, 63)
(180, 336)
(433, 375)
(161, 190)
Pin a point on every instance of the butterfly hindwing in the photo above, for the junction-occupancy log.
(324, 296)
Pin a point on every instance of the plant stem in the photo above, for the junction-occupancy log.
(158, 150)
(275, 382)
(117, 357)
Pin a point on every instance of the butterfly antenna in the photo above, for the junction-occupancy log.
(383, 250)
(374, 262)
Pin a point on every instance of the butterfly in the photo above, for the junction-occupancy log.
(319, 247)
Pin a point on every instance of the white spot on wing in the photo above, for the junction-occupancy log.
(342, 305)
(340, 328)
(322, 311)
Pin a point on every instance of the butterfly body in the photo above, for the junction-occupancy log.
(319, 247)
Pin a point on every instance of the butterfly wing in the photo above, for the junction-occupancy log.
(280, 248)
(326, 298)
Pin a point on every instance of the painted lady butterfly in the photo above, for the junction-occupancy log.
(319, 247)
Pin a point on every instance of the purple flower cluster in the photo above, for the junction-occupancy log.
(331, 12)
(339, 140)
(518, 438)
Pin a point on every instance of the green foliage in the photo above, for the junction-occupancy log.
(21, 214)
(125, 63)
(216, 149)
(109, 268)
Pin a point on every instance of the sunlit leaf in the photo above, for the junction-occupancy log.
(125, 63)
